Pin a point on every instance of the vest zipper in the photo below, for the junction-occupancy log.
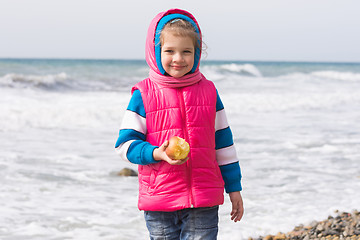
(186, 136)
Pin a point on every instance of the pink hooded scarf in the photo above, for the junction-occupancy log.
(153, 48)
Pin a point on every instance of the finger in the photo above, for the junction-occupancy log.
(180, 161)
(174, 161)
(234, 208)
(184, 160)
(238, 215)
(233, 214)
(165, 145)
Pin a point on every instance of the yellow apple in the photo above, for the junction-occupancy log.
(178, 148)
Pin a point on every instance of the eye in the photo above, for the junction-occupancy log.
(168, 51)
(188, 51)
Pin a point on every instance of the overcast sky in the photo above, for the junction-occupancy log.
(289, 30)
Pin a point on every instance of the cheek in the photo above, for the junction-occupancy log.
(165, 59)
(191, 60)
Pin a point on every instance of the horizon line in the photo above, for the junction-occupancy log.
(206, 60)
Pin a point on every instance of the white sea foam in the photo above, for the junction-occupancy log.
(242, 68)
(218, 72)
(22, 80)
(51, 110)
(343, 76)
(250, 102)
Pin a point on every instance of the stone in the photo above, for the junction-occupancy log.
(268, 237)
(280, 236)
(320, 227)
(314, 224)
(127, 172)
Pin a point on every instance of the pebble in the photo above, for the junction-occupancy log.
(344, 226)
(127, 172)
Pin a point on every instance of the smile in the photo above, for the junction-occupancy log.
(177, 66)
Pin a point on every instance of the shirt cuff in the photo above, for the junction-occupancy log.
(231, 174)
(147, 154)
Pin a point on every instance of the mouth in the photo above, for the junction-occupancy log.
(177, 67)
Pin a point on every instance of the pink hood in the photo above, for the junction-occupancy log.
(152, 53)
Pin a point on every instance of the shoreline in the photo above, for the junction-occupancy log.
(343, 226)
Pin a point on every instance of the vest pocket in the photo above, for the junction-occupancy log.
(152, 181)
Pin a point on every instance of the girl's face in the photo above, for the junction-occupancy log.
(177, 54)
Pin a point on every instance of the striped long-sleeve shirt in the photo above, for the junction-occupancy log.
(131, 144)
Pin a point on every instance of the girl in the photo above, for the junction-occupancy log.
(180, 198)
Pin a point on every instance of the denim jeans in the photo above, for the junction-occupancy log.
(189, 224)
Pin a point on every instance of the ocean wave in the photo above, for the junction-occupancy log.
(335, 75)
(40, 81)
(223, 70)
(248, 69)
(60, 81)
(236, 71)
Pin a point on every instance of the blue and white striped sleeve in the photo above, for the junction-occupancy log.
(131, 144)
(225, 150)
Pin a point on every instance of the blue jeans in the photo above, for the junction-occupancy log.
(189, 224)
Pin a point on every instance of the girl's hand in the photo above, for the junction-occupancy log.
(160, 154)
(237, 206)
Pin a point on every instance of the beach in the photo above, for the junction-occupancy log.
(296, 128)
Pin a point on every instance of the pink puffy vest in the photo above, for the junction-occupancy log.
(187, 112)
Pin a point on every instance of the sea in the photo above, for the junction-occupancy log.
(296, 128)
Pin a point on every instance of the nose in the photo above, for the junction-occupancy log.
(178, 57)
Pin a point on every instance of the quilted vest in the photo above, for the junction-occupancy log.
(189, 113)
